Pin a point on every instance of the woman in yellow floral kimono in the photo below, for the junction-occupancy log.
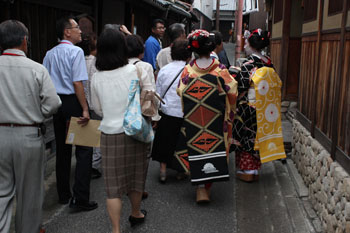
(208, 94)
(257, 76)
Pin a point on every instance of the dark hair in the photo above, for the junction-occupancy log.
(61, 25)
(135, 46)
(87, 43)
(180, 51)
(259, 39)
(217, 37)
(201, 42)
(111, 50)
(155, 21)
(12, 33)
(175, 31)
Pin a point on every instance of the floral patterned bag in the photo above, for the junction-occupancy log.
(134, 124)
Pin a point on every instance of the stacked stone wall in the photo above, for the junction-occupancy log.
(328, 182)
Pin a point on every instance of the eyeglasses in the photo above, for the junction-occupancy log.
(77, 27)
(160, 28)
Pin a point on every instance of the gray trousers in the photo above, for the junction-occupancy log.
(96, 156)
(22, 174)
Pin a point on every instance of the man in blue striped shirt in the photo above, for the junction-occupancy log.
(66, 65)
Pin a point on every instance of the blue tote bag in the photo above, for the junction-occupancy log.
(134, 124)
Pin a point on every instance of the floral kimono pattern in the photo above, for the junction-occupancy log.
(245, 124)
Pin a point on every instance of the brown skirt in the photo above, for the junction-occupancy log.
(124, 164)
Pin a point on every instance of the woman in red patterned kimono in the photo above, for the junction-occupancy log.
(245, 124)
(208, 94)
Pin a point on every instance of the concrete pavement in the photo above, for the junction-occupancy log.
(277, 203)
(270, 205)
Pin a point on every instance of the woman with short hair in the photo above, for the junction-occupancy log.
(124, 159)
(169, 126)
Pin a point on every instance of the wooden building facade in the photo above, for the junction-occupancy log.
(40, 17)
(310, 47)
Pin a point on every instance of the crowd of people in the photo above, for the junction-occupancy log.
(203, 112)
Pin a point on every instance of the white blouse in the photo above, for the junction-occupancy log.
(109, 96)
(172, 106)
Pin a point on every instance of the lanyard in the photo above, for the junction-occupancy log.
(12, 54)
(65, 43)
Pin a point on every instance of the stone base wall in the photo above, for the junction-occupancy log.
(328, 182)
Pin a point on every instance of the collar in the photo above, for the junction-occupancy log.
(66, 42)
(16, 52)
(198, 69)
(133, 59)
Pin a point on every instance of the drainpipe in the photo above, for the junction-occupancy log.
(238, 28)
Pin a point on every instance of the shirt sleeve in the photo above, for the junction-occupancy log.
(79, 71)
(151, 50)
(147, 76)
(50, 101)
(95, 101)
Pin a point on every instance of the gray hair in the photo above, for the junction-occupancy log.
(12, 33)
(112, 26)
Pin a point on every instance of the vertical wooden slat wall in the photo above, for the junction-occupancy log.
(308, 63)
(326, 83)
(275, 50)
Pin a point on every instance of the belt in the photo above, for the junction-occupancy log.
(19, 125)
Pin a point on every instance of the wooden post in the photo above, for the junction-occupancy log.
(132, 23)
(315, 78)
(217, 16)
(338, 82)
(285, 44)
(238, 27)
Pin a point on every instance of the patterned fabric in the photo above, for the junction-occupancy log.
(244, 126)
(269, 138)
(208, 99)
(124, 164)
(135, 124)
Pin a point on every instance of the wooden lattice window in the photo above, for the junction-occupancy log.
(278, 11)
(310, 10)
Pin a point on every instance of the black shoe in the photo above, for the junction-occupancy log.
(82, 206)
(95, 174)
(136, 221)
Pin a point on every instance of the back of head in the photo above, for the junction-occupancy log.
(134, 45)
(12, 33)
(176, 30)
(217, 37)
(112, 26)
(61, 25)
(259, 39)
(201, 42)
(180, 50)
(111, 50)
(87, 43)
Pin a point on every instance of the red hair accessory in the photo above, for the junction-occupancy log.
(195, 44)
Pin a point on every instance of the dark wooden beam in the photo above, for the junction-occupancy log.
(314, 83)
(338, 82)
(285, 45)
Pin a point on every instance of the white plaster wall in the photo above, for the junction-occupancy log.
(205, 6)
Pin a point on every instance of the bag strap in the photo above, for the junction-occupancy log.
(172, 82)
(135, 62)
